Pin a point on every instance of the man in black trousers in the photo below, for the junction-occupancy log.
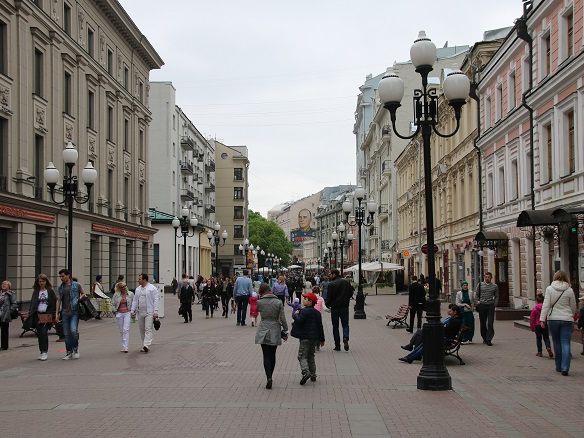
(416, 301)
(339, 295)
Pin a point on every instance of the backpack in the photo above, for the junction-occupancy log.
(184, 293)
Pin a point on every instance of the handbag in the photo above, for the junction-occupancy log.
(156, 324)
(45, 318)
(14, 314)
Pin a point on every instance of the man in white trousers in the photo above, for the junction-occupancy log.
(145, 308)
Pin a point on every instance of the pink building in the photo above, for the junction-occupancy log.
(531, 120)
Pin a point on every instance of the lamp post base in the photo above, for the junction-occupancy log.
(359, 304)
(433, 375)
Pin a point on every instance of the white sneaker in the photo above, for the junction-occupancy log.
(67, 357)
(75, 355)
(44, 356)
(40, 356)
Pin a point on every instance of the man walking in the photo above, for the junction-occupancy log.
(339, 294)
(241, 292)
(187, 298)
(145, 308)
(416, 301)
(487, 296)
(69, 293)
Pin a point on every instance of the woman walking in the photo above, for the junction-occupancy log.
(43, 311)
(7, 307)
(122, 303)
(464, 300)
(559, 306)
(271, 329)
(209, 297)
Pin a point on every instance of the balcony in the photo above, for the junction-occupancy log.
(200, 179)
(210, 186)
(385, 245)
(210, 208)
(187, 195)
(187, 143)
(200, 157)
(386, 132)
(210, 165)
(385, 167)
(383, 209)
(186, 168)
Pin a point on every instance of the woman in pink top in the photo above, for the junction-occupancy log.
(536, 327)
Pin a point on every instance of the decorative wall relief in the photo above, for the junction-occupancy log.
(81, 17)
(127, 164)
(111, 156)
(142, 172)
(5, 100)
(91, 148)
(68, 132)
(39, 118)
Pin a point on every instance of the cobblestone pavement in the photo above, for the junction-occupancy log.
(205, 379)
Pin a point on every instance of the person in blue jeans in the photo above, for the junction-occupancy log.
(69, 293)
(241, 292)
(339, 295)
(559, 307)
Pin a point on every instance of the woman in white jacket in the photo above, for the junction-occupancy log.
(558, 310)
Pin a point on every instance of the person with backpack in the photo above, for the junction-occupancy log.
(187, 298)
(339, 295)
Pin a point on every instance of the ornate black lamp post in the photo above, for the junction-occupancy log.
(70, 190)
(215, 240)
(361, 219)
(433, 374)
(329, 249)
(187, 225)
(341, 243)
(244, 248)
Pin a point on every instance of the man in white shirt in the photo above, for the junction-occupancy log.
(145, 308)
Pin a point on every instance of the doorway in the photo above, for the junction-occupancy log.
(502, 275)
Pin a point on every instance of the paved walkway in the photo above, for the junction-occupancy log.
(205, 379)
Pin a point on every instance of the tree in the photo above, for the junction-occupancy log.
(270, 237)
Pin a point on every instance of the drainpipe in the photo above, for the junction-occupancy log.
(523, 33)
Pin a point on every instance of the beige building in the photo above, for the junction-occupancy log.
(231, 196)
(78, 72)
(455, 189)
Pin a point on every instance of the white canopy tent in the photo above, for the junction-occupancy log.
(307, 267)
(294, 267)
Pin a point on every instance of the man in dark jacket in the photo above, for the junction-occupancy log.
(339, 294)
(187, 297)
(307, 327)
(416, 301)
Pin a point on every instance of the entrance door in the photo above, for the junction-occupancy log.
(501, 276)
(573, 265)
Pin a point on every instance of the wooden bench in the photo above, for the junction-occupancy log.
(400, 318)
(453, 348)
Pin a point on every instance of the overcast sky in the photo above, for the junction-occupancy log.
(282, 77)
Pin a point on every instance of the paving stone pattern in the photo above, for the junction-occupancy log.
(206, 379)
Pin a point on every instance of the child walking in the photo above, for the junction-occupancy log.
(536, 327)
(253, 308)
(307, 327)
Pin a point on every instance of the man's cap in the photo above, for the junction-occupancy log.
(312, 297)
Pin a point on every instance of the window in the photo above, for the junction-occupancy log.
(67, 18)
(126, 197)
(141, 144)
(570, 141)
(511, 90)
(238, 231)
(67, 93)
(141, 198)
(110, 191)
(546, 50)
(490, 190)
(238, 212)
(110, 61)
(501, 184)
(110, 123)
(547, 154)
(236, 250)
(525, 73)
(237, 192)
(38, 72)
(499, 102)
(173, 122)
(173, 149)
(487, 111)
(126, 134)
(39, 163)
(90, 41)
(91, 110)
(141, 91)
(3, 48)
(174, 178)
(569, 34)
(126, 77)
(238, 174)
(514, 180)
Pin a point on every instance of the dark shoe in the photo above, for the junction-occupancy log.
(269, 384)
(403, 359)
(186, 322)
(313, 378)
(407, 347)
(489, 343)
(304, 379)
(145, 350)
(564, 373)
(410, 331)
(243, 324)
(346, 344)
(582, 353)
(238, 323)
(550, 352)
(337, 348)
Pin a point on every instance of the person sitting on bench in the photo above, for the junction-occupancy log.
(451, 328)
(416, 338)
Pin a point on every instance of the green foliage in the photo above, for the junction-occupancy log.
(270, 237)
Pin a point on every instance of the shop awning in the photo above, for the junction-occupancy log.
(567, 215)
(536, 218)
(491, 238)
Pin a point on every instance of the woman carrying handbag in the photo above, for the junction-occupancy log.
(43, 311)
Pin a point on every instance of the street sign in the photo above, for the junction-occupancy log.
(425, 248)
(406, 253)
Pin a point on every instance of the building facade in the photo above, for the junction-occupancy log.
(73, 72)
(178, 178)
(232, 197)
